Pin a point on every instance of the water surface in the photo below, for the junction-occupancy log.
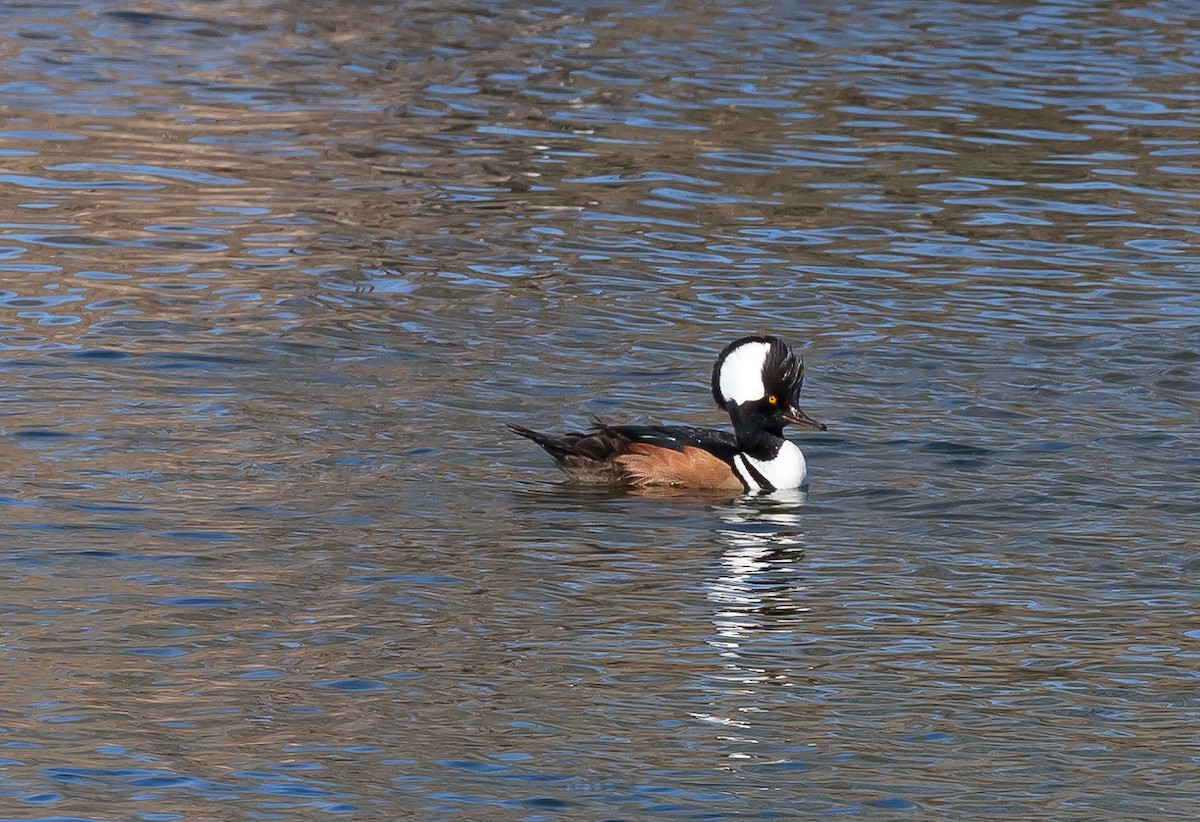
(274, 275)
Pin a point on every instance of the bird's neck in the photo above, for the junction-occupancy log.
(760, 443)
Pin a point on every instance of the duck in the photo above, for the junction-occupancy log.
(756, 380)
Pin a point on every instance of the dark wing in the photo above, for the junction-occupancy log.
(644, 455)
(677, 437)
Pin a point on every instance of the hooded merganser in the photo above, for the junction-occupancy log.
(757, 380)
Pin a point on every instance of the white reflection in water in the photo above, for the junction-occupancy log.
(757, 590)
(764, 537)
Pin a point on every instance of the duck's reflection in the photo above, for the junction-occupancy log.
(758, 591)
(765, 543)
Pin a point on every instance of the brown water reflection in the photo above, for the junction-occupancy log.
(274, 275)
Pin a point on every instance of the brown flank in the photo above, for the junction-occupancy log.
(649, 465)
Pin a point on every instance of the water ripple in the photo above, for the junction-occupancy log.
(272, 288)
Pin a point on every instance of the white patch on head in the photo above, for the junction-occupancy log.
(786, 471)
(742, 373)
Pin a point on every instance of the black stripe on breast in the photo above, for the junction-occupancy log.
(763, 483)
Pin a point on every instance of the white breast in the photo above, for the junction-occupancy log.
(787, 471)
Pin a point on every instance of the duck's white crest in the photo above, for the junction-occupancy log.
(742, 373)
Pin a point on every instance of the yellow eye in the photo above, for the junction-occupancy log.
(773, 400)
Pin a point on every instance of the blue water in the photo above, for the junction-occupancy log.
(274, 276)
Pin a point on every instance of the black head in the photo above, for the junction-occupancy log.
(758, 380)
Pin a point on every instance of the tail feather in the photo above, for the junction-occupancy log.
(590, 457)
(559, 447)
